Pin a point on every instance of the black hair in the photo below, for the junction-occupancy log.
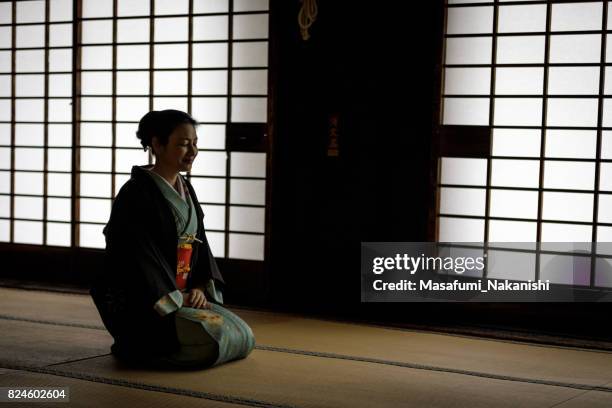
(161, 124)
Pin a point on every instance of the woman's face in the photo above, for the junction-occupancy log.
(181, 150)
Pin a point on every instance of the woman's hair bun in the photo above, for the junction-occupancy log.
(161, 124)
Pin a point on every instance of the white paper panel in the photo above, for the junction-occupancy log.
(60, 60)
(101, 57)
(209, 82)
(59, 110)
(250, 82)
(514, 204)
(93, 210)
(171, 6)
(95, 185)
(512, 231)
(463, 171)
(170, 56)
(133, 83)
(6, 13)
(161, 103)
(212, 6)
(248, 164)
(60, 85)
(603, 272)
(515, 173)
(569, 175)
(522, 19)
(519, 81)
(469, 20)
(568, 206)
(209, 190)
(29, 159)
(132, 8)
(171, 29)
(96, 134)
(5, 85)
(250, 5)
(29, 85)
(572, 112)
(96, 83)
(210, 164)
(126, 135)
(28, 232)
(211, 136)
(126, 158)
(30, 36)
(576, 17)
(96, 159)
(249, 54)
(466, 111)
(97, 8)
(210, 28)
(96, 108)
(91, 236)
(242, 246)
(604, 213)
(133, 30)
(605, 177)
(30, 11)
(6, 59)
(132, 109)
(59, 184)
(30, 110)
(216, 240)
(5, 182)
(5, 206)
(170, 82)
(462, 201)
(133, 56)
(518, 112)
(60, 10)
(97, 32)
(607, 113)
(575, 48)
(520, 50)
(5, 158)
(250, 26)
(248, 192)
(5, 230)
(516, 142)
(59, 209)
(571, 143)
(120, 180)
(29, 61)
(568, 237)
(29, 207)
(209, 55)
(214, 217)
(573, 81)
(253, 110)
(59, 160)
(460, 230)
(247, 219)
(58, 234)
(28, 134)
(476, 50)
(209, 109)
(60, 35)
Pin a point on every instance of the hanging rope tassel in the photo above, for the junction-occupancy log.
(307, 16)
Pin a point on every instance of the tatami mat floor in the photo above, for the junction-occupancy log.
(51, 339)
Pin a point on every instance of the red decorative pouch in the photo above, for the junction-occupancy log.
(183, 257)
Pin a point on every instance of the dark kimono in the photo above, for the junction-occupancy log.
(137, 294)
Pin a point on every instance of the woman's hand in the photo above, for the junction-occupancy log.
(196, 299)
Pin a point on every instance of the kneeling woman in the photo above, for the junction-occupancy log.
(161, 290)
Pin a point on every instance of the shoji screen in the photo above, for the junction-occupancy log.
(35, 122)
(525, 94)
(206, 57)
